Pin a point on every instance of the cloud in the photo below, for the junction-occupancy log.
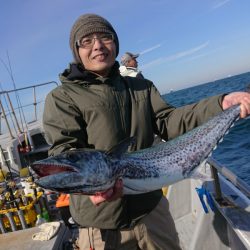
(197, 56)
(150, 49)
(220, 4)
(152, 63)
(187, 52)
(176, 56)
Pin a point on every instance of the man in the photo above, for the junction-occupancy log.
(95, 107)
(129, 65)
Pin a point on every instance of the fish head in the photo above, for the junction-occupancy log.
(75, 171)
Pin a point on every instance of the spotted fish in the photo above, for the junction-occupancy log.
(93, 171)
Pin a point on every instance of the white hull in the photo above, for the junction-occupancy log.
(226, 228)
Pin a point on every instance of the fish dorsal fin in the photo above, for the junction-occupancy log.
(121, 147)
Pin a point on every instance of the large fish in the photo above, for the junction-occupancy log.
(94, 171)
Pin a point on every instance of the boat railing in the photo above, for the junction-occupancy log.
(8, 111)
(216, 168)
(232, 199)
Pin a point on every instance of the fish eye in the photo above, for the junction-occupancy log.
(72, 157)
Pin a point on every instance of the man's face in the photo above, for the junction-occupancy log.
(132, 63)
(98, 52)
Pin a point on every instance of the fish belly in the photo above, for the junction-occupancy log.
(138, 186)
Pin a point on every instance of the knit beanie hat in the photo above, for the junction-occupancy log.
(88, 24)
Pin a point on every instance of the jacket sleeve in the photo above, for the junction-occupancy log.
(172, 122)
(63, 123)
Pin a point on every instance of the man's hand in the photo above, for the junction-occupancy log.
(242, 98)
(109, 195)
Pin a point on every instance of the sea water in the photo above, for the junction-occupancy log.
(234, 151)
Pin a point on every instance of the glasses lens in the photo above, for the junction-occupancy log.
(106, 38)
(88, 42)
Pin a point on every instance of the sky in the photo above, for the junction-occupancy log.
(182, 43)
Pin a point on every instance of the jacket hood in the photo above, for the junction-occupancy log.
(77, 73)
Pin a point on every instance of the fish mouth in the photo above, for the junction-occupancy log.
(43, 169)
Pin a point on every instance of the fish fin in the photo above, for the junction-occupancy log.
(121, 147)
(200, 174)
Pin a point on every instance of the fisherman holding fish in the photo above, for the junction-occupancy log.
(95, 107)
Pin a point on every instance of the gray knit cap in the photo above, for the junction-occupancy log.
(86, 25)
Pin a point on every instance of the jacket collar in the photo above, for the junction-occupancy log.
(76, 72)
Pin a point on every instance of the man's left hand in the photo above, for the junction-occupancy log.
(242, 98)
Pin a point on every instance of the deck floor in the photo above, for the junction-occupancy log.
(185, 228)
(22, 239)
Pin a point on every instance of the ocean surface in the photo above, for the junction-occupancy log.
(234, 151)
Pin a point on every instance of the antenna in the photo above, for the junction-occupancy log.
(21, 113)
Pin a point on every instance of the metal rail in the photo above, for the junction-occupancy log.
(12, 111)
(28, 87)
(240, 184)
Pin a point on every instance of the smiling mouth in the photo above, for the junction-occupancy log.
(100, 57)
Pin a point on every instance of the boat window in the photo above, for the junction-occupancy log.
(38, 140)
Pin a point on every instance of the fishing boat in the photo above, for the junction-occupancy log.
(208, 215)
(22, 142)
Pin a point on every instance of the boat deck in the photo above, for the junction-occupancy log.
(22, 240)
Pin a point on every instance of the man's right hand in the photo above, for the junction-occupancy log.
(109, 195)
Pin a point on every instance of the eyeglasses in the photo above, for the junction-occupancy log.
(88, 42)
